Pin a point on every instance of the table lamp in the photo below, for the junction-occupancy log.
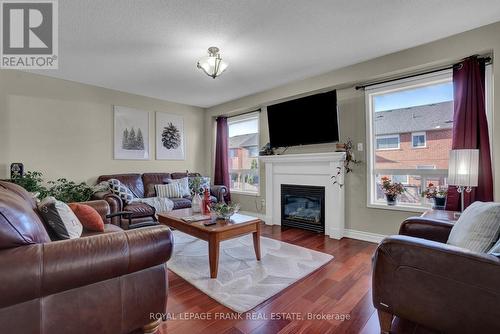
(463, 169)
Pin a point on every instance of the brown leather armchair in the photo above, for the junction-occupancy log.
(107, 282)
(418, 277)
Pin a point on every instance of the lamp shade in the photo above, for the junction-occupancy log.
(212, 65)
(463, 168)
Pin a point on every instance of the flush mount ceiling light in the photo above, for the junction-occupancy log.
(213, 65)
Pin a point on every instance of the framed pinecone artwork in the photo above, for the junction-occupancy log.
(131, 133)
(169, 137)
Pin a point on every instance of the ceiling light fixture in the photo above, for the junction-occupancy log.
(213, 65)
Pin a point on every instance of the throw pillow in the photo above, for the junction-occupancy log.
(478, 227)
(121, 190)
(204, 184)
(169, 190)
(183, 185)
(88, 216)
(60, 218)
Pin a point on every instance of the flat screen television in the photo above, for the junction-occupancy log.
(308, 120)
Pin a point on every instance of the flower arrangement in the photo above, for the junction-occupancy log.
(225, 211)
(434, 192)
(392, 189)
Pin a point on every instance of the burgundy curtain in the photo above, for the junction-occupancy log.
(221, 172)
(470, 128)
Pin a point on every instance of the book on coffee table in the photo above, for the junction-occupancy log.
(196, 218)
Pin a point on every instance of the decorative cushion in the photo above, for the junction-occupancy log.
(205, 184)
(169, 190)
(478, 227)
(88, 216)
(60, 218)
(122, 191)
(183, 185)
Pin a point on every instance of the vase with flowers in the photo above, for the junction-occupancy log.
(437, 194)
(391, 190)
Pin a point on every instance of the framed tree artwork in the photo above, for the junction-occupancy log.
(170, 141)
(131, 133)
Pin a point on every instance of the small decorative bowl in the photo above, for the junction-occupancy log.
(225, 211)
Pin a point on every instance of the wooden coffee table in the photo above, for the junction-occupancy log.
(223, 230)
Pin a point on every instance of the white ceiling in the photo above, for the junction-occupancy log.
(150, 47)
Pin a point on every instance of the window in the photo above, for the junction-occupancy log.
(388, 142)
(403, 117)
(418, 139)
(244, 153)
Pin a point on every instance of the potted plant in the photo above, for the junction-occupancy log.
(437, 194)
(391, 190)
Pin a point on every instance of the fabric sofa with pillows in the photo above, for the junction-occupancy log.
(92, 282)
(441, 276)
(143, 186)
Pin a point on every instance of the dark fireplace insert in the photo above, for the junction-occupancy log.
(303, 207)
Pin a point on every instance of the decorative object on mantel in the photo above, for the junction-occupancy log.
(225, 211)
(437, 194)
(266, 150)
(213, 65)
(391, 190)
(349, 159)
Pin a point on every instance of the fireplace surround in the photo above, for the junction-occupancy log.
(310, 169)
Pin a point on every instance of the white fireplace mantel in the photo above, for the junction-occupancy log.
(312, 169)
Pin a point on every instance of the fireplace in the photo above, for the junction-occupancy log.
(303, 207)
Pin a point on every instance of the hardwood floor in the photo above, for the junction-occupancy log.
(339, 289)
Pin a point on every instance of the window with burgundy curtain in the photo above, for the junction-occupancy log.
(221, 171)
(470, 128)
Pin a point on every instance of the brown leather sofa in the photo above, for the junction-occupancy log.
(440, 288)
(100, 283)
(142, 185)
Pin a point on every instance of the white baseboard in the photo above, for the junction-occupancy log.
(254, 214)
(353, 234)
(365, 236)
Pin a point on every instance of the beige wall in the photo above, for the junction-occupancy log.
(65, 129)
(352, 113)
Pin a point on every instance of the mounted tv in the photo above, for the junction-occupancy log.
(308, 120)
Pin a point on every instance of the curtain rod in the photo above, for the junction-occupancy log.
(486, 60)
(245, 113)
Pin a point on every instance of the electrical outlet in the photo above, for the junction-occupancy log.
(263, 203)
(360, 147)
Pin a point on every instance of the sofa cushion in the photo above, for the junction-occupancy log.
(19, 222)
(179, 175)
(181, 203)
(478, 227)
(204, 183)
(60, 218)
(120, 190)
(140, 210)
(108, 228)
(152, 179)
(88, 216)
(132, 181)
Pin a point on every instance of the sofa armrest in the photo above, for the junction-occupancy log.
(425, 228)
(439, 286)
(63, 265)
(114, 201)
(219, 192)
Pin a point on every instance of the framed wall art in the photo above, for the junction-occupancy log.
(131, 133)
(170, 140)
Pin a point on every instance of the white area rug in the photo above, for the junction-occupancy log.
(243, 282)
